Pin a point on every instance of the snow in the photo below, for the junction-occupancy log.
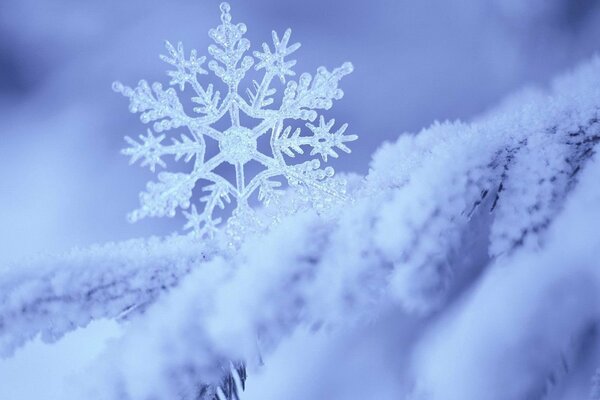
(527, 315)
(435, 239)
(43, 370)
(55, 295)
(463, 266)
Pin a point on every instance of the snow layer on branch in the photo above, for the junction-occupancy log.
(154, 359)
(526, 156)
(543, 304)
(433, 214)
(192, 334)
(54, 295)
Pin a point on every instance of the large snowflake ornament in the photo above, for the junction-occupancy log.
(237, 144)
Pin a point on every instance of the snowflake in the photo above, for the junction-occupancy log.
(237, 144)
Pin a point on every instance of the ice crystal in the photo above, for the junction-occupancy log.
(237, 144)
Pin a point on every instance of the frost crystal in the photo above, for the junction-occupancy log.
(237, 144)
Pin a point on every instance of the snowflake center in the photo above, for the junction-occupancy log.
(237, 145)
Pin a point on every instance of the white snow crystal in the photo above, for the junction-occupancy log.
(237, 144)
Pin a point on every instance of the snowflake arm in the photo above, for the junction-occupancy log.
(261, 96)
(302, 98)
(155, 105)
(268, 191)
(323, 141)
(150, 149)
(203, 224)
(308, 174)
(274, 64)
(229, 50)
(186, 72)
(163, 107)
(290, 142)
(186, 69)
(162, 198)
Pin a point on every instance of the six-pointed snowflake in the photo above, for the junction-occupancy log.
(237, 144)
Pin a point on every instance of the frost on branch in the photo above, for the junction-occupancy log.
(238, 144)
(52, 296)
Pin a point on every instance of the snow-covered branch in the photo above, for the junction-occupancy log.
(545, 305)
(490, 206)
(54, 295)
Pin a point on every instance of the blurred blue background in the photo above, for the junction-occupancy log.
(63, 182)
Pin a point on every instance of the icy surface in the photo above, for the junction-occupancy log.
(237, 144)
